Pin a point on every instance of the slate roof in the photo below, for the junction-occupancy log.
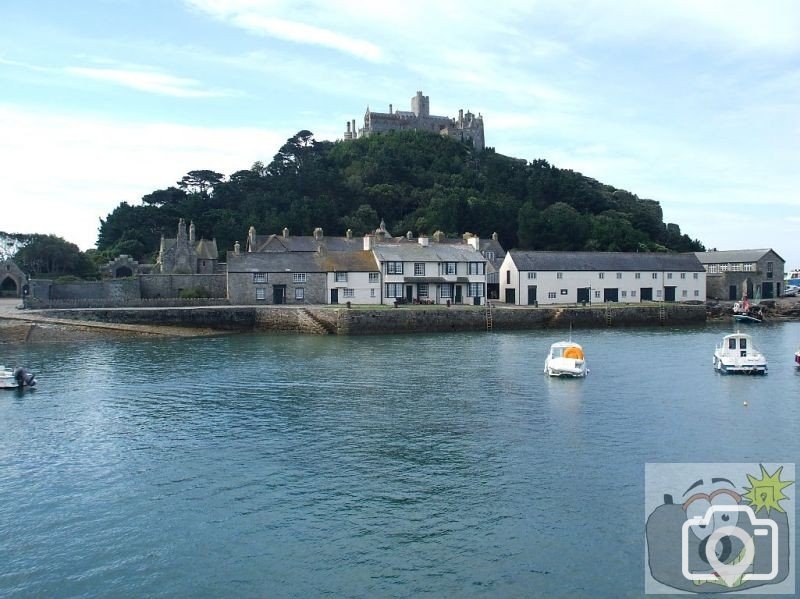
(605, 261)
(726, 256)
(275, 262)
(435, 252)
(207, 250)
(354, 261)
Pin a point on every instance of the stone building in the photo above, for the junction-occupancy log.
(12, 279)
(732, 273)
(186, 255)
(466, 127)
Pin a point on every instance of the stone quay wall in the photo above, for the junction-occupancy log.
(323, 320)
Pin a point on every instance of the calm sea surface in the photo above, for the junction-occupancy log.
(446, 465)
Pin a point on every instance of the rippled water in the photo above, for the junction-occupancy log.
(383, 466)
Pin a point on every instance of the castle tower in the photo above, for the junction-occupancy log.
(421, 105)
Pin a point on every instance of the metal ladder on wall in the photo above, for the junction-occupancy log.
(662, 315)
(608, 316)
(489, 316)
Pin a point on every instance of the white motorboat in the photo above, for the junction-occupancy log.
(737, 354)
(566, 358)
(16, 378)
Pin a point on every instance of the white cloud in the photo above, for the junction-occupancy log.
(259, 18)
(149, 81)
(63, 172)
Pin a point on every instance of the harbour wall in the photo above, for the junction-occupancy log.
(323, 320)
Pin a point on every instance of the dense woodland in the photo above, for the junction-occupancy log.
(414, 181)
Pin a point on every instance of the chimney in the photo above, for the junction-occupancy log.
(354, 129)
(285, 233)
(423, 240)
(494, 236)
(237, 248)
(409, 235)
(349, 233)
(390, 109)
(369, 242)
(475, 242)
(460, 117)
(251, 239)
(438, 236)
(318, 233)
(191, 232)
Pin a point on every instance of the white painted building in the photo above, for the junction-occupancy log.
(540, 278)
(431, 272)
(352, 276)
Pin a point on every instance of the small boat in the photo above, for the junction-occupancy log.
(16, 378)
(737, 354)
(797, 358)
(566, 358)
(745, 312)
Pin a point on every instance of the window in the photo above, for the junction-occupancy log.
(658, 293)
(374, 277)
(683, 275)
(695, 276)
(299, 277)
(422, 290)
(531, 275)
(341, 277)
(731, 343)
(633, 293)
(624, 293)
(601, 275)
(551, 295)
(489, 255)
(508, 277)
(619, 275)
(769, 270)
(476, 290)
(394, 268)
(655, 275)
(596, 294)
(259, 277)
(638, 275)
(477, 268)
(448, 268)
(394, 290)
(419, 269)
(684, 293)
(696, 293)
(669, 275)
(564, 292)
(299, 293)
(261, 293)
(444, 291)
(349, 292)
(559, 275)
(372, 292)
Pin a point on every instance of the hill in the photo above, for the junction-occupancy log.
(415, 181)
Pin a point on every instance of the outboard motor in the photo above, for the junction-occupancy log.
(23, 377)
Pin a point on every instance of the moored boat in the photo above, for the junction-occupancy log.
(797, 358)
(566, 358)
(737, 354)
(16, 378)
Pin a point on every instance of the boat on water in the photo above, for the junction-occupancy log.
(16, 378)
(793, 278)
(737, 354)
(745, 312)
(566, 358)
(797, 358)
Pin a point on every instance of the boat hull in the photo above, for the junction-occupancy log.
(730, 366)
(565, 367)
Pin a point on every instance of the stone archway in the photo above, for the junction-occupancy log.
(123, 272)
(9, 288)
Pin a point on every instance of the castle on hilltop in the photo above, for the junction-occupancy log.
(466, 127)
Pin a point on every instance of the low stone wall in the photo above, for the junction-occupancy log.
(220, 318)
(161, 286)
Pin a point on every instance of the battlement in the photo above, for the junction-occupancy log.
(466, 127)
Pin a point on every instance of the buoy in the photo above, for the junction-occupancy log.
(745, 404)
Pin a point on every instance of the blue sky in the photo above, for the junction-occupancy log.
(691, 103)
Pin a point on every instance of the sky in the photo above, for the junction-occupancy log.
(693, 103)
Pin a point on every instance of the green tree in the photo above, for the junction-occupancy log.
(51, 256)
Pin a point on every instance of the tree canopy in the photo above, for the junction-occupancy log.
(415, 181)
(50, 256)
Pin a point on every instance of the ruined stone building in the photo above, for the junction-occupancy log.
(466, 127)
